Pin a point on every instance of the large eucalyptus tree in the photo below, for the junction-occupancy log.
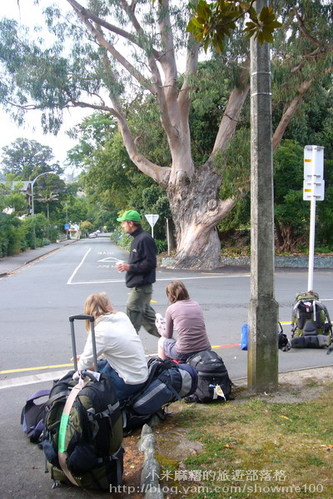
(113, 50)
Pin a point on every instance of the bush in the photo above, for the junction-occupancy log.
(38, 231)
(162, 245)
(12, 235)
(121, 238)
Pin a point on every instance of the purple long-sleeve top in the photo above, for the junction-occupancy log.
(186, 318)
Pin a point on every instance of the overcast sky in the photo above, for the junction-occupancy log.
(26, 12)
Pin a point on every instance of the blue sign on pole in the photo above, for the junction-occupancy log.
(66, 226)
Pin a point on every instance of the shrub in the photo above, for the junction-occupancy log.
(12, 235)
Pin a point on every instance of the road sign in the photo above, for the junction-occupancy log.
(152, 219)
(313, 190)
(313, 182)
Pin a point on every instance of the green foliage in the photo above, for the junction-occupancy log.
(11, 196)
(213, 22)
(28, 158)
(291, 213)
(38, 231)
(86, 227)
(11, 235)
(324, 222)
(262, 28)
(144, 120)
(121, 238)
(111, 180)
(209, 98)
(92, 134)
(18, 235)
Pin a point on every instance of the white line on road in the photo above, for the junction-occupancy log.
(32, 379)
(77, 268)
(40, 377)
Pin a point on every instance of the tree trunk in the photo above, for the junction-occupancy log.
(196, 209)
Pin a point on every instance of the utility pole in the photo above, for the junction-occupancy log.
(263, 309)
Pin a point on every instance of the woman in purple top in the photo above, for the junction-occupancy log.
(184, 316)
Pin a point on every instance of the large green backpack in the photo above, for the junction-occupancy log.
(83, 433)
(311, 323)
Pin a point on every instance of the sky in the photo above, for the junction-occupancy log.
(26, 12)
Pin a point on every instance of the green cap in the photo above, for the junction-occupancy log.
(130, 215)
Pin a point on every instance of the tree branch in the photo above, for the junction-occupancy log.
(304, 31)
(289, 113)
(98, 20)
(230, 117)
(191, 68)
(80, 11)
(291, 109)
(158, 173)
(152, 57)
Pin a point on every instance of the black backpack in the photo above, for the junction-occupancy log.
(213, 378)
(311, 323)
(83, 432)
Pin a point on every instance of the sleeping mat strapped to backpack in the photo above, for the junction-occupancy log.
(32, 416)
(167, 382)
(311, 323)
(83, 432)
(213, 378)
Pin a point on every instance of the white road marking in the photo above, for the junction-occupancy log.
(32, 379)
(111, 259)
(77, 268)
(40, 377)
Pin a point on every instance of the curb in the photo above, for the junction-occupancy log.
(151, 469)
(302, 262)
(34, 258)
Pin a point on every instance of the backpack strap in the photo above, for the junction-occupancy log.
(62, 454)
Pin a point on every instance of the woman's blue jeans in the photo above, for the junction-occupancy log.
(123, 390)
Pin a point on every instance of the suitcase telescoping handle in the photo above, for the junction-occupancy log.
(83, 317)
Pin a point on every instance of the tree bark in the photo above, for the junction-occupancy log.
(196, 210)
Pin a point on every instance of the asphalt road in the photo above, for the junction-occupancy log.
(37, 300)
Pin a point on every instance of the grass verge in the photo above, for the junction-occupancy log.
(250, 447)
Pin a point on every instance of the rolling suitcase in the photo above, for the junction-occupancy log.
(83, 426)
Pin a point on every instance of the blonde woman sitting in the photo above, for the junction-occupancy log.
(121, 346)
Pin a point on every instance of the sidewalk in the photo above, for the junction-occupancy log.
(9, 264)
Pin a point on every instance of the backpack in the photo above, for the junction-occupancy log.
(32, 416)
(166, 383)
(283, 341)
(213, 378)
(83, 432)
(311, 323)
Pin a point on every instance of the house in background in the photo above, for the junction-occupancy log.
(24, 187)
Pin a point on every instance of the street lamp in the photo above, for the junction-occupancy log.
(32, 191)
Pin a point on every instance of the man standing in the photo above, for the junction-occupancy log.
(140, 273)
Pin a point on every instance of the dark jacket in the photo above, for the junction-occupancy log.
(142, 260)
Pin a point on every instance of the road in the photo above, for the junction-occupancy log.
(36, 348)
(37, 301)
